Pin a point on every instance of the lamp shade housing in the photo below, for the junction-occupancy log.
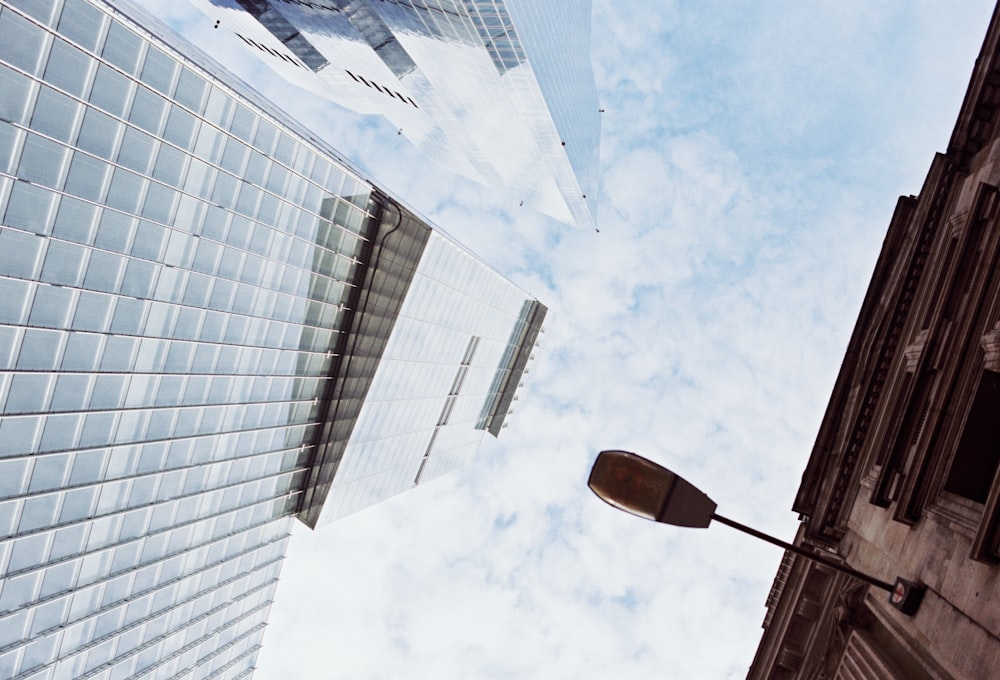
(641, 487)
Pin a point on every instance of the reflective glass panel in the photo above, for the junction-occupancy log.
(111, 90)
(81, 22)
(21, 41)
(14, 94)
(55, 114)
(122, 47)
(43, 161)
(68, 68)
(98, 134)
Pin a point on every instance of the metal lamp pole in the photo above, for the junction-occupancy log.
(641, 487)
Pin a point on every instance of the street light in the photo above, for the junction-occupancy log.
(641, 487)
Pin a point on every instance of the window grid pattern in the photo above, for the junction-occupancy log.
(421, 418)
(503, 89)
(174, 265)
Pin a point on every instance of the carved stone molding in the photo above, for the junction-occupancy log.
(957, 223)
(915, 350)
(850, 615)
(991, 346)
(832, 522)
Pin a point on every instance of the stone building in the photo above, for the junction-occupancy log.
(902, 480)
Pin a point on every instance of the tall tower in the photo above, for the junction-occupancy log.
(210, 325)
(501, 91)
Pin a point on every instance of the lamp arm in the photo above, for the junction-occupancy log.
(798, 550)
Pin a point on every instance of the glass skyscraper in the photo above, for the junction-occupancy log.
(210, 325)
(501, 91)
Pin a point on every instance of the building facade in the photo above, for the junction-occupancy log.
(902, 480)
(500, 91)
(210, 325)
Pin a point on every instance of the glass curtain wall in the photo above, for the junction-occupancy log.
(173, 268)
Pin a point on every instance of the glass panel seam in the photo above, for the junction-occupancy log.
(235, 661)
(263, 546)
(150, 591)
(229, 645)
(123, 629)
(192, 439)
(153, 504)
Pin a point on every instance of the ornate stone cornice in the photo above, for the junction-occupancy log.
(915, 350)
(991, 346)
(849, 614)
(854, 445)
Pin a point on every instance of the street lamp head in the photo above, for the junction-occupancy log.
(643, 488)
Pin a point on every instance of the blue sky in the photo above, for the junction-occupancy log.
(752, 155)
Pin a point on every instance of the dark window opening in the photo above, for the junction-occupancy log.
(975, 462)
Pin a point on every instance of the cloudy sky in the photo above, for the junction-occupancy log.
(752, 155)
